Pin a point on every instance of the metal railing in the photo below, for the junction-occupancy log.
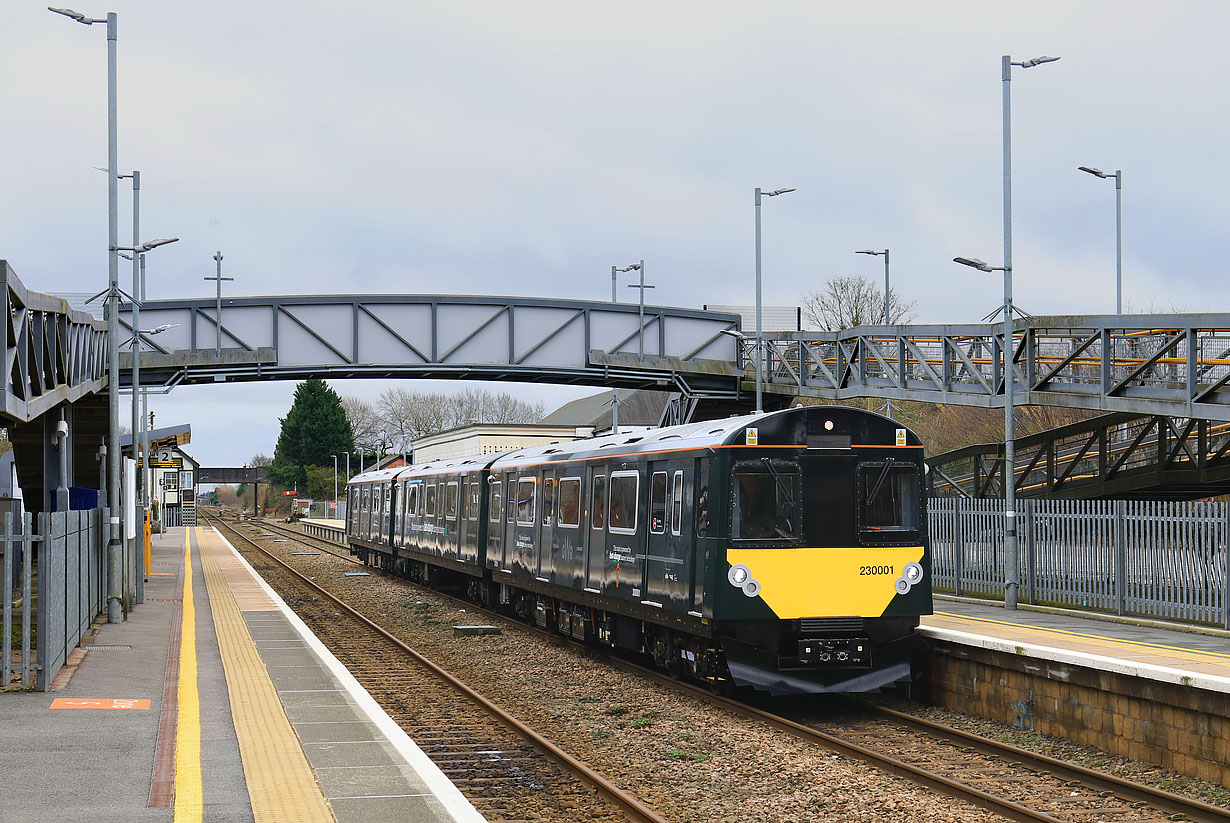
(54, 585)
(1163, 559)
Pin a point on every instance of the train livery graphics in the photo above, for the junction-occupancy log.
(785, 551)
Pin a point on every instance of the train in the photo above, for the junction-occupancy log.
(783, 551)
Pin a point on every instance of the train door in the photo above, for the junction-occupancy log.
(524, 545)
(700, 527)
(495, 525)
(595, 558)
(469, 544)
(452, 522)
(352, 509)
(413, 502)
(546, 535)
(656, 551)
(626, 530)
(428, 540)
(567, 555)
(668, 565)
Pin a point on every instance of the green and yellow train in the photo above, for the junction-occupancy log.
(785, 551)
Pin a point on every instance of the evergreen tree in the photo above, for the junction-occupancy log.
(314, 429)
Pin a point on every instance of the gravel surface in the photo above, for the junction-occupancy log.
(1087, 756)
(690, 761)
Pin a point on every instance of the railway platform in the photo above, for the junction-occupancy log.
(213, 702)
(1150, 691)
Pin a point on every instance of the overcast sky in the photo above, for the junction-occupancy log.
(523, 148)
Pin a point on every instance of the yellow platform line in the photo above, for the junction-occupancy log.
(1193, 654)
(281, 783)
(189, 795)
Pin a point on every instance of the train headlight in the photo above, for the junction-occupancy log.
(913, 572)
(751, 588)
(902, 586)
(739, 575)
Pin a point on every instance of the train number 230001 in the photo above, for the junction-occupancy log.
(865, 570)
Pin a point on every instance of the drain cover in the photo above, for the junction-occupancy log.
(98, 648)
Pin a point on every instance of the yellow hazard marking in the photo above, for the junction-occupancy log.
(1049, 630)
(281, 783)
(189, 794)
(829, 582)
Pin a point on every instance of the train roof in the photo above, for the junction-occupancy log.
(689, 436)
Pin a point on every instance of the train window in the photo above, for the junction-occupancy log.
(702, 498)
(412, 500)
(525, 501)
(625, 486)
(450, 500)
(430, 492)
(677, 504)
(472, 505)
(548, 500)
(570, 501)
(657, 503)
(764, 501)
(888, 495)
(599, 501)
(497, 501)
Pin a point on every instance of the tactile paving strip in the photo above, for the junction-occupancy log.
(281, 783)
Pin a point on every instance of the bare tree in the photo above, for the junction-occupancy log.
(401, 416)
(260, 459)
(365, 423)
(855, 300)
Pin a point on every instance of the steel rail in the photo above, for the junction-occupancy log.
(1124, 789)
(626, 802)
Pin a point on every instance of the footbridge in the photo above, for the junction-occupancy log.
(1161, 364)
(1167, 364)
(1119, 455)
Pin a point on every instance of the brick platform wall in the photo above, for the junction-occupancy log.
(1172, 725)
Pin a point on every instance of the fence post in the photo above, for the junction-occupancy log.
(958, 545)
(1120, 557)
(27, 572)
(1225, 557)
(6, 604)
(1032, 546)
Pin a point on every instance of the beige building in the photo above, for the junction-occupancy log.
(492, 438)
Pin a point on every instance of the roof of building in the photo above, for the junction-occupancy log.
(166, 436)
(636, 408)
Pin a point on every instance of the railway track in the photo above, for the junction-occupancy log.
(506, 769)
(1010, 781)
(1013, 782)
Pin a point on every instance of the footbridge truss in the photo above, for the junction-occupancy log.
(53, 354)
(476, 338)
(1169, 364)
(1117, 455)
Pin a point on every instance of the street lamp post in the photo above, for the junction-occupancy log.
(759, 336)
(218, 317)
(615, 270)
(1118, 175)
(888, 317)
(115, 556)
(640, 337)
(1012, 562)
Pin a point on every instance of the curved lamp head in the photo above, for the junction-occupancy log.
(972, 262)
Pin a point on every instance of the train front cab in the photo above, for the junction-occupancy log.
(827, 567)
